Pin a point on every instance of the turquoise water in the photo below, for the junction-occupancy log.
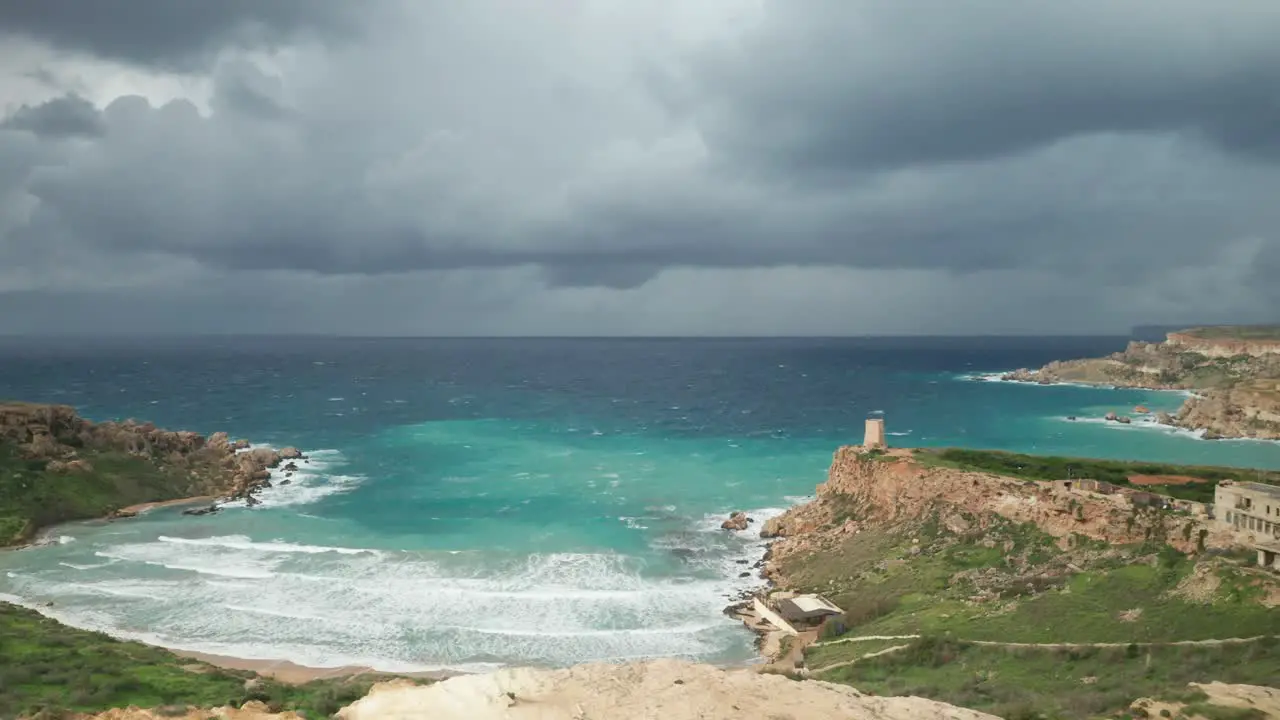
(473, 503)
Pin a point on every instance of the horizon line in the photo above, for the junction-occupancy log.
(346, 336)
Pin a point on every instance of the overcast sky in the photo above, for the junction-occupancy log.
(638, 166)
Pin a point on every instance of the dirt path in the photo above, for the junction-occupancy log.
(1167, 643)
(998, 643)
(846, 663)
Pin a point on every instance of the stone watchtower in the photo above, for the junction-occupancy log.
(875, 434)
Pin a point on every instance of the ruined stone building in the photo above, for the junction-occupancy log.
(1248, 507)
(1252, 511)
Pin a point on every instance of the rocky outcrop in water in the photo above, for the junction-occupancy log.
(737, 521)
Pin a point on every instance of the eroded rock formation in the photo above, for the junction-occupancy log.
(864, 491)
(192, 464)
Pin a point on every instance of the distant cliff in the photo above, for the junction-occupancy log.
(1227, 344)
(56, 466)
(1235, 372)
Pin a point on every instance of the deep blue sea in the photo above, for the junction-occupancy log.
(472, 502)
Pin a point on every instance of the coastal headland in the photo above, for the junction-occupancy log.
(1233, 373)
(57, 467)
(966, 584)
(1026, 586)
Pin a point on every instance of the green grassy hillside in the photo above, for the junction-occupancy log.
(32, 497)
(942, 595)
(1116, 472)
(46, 666)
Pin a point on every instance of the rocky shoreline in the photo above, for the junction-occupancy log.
(128, 465)
(740, 606)
(1235, 386)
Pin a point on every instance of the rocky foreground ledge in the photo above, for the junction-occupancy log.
(668, 689)
(61, 467)
(1234, 372)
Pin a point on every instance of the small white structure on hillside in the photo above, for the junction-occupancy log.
(807, 608)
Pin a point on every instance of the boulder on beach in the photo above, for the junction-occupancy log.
(1142, 410)
(1111, 416)
(291, 453)
(1123, 420)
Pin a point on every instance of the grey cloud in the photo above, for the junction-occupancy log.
(66, 116)
(242, 88)
(181, 35)
(1109, 150)
(830, 86)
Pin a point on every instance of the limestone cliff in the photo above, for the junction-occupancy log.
(866, 490)
(59, 466)
(1234, 371)
(1256, 342)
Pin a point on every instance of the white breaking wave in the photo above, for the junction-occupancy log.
(309, 483)
(240, 542)
(1147, 423)
(984, 376)
(74, 566)
(326, 606)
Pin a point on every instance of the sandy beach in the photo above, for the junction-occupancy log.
(144, 507)
(293, 673)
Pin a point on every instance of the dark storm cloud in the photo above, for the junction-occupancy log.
(837, 86)
(1111, 146)
(66, 116)
(171, 33)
